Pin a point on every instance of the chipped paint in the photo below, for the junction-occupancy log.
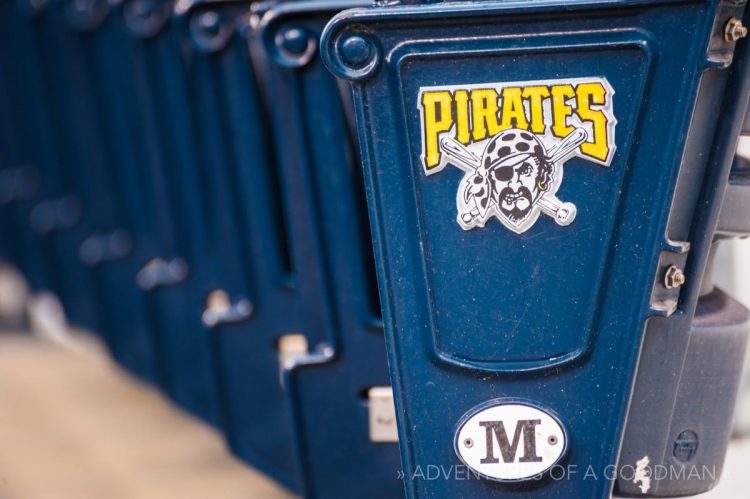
(643, 474)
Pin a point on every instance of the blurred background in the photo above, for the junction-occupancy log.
(74, 426)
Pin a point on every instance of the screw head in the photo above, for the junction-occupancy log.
(294, 41)
(734, 30)
(210, 30)
(468, 443)
(674, 277)
(685, 446)
(356, 51)
(209, 22)
(144, 18)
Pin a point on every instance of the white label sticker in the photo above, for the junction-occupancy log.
(510, 441)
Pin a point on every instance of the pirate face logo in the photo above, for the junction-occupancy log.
(515, 175)
(515, 179)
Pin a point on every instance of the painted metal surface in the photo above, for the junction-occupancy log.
(129, 182)
(47, 216)
(328, 389)
(171, 277)
(555, 314)
(246, 249)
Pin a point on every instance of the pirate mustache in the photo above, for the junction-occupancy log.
(511, 198)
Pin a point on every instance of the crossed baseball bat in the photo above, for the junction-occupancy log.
(563, 213)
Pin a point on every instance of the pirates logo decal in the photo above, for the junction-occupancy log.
(511, 140)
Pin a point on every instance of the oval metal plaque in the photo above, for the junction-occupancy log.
(510, 440)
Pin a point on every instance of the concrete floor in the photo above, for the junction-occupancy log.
(72, 426)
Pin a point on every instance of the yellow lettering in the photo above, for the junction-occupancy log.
(536, 96)
(593, 94)
(473, 115)
(484, 113)
(437, 119)
(461, 98)
(561, 110)
(513, 109)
